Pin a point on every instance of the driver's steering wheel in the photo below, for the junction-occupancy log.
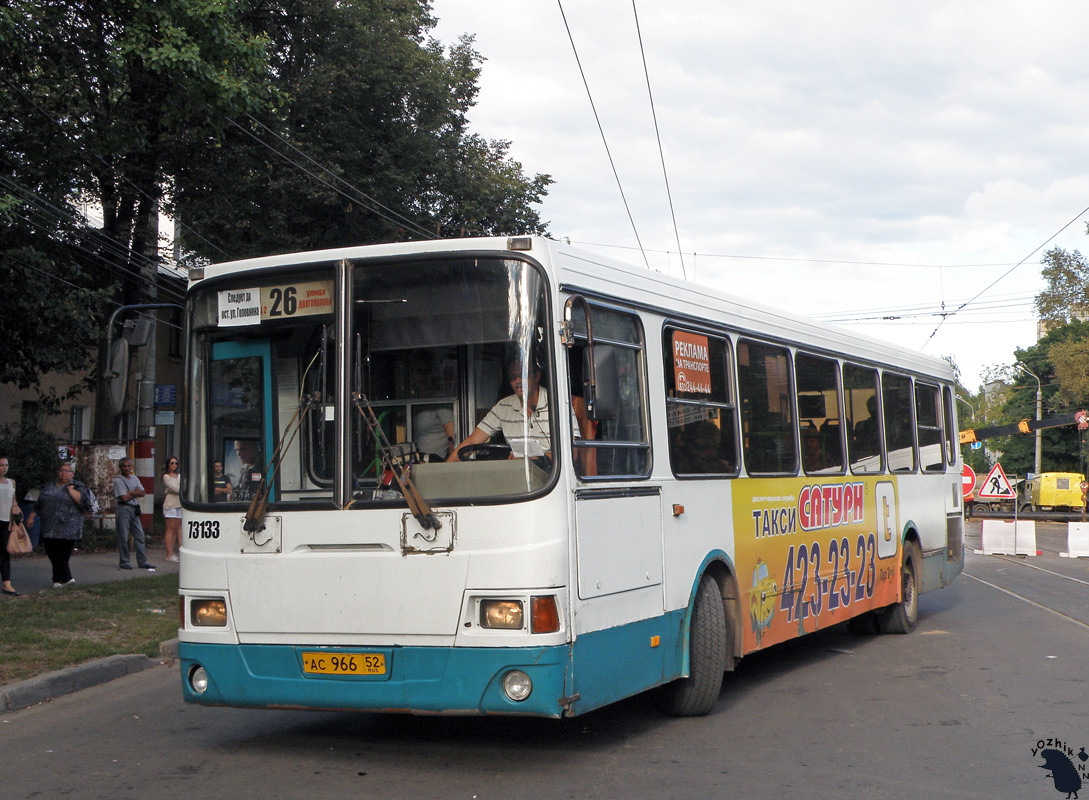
(487, 451)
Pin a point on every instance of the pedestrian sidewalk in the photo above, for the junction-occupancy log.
(34, 574)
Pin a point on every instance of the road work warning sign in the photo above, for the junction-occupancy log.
(996, 486)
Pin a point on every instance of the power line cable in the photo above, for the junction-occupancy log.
(370, 202)
(601, 131)
(126, 261)
(158, 201)
(845, 262)
(658, 136)
(925, 309)
(75, 286)
(1003, 276)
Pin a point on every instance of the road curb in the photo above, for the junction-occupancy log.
(42, 688)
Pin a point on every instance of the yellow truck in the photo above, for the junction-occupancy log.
(1056, 491)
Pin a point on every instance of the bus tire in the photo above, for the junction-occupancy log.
(902, 617)
(697, 694)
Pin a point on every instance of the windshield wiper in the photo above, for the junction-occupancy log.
(392, 461)
(255, 514)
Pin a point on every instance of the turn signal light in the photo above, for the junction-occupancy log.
(545, 616)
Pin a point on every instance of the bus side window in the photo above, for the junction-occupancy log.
(897, 406)
(767, 408)
(587, 429)
(952, 443)
(863, 421)
(700, 409)
(620, 447)
(817, 380)
(928, 425)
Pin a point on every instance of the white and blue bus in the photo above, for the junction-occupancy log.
(715, 477)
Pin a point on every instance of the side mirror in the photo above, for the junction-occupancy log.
(603, 394)
(117, 376)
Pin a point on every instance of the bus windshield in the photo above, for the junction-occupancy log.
(435, 347)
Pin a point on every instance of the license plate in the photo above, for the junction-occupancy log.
(344, 663)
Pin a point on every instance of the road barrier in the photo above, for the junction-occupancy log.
(1005, 537)
(1077, 540)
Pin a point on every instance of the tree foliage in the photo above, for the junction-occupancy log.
(265, 125)
(1066, 296)
(32, 453)
(1061, 447)
(98, 101)
(1066, 299)
(369, 143)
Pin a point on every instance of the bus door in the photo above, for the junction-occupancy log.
(618, 513)
(242, 418)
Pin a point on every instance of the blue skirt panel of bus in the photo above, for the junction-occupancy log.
(615, 663)
(609, 665)
(417, 679)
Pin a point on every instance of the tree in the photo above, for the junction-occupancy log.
(33, 455)
(44, 331)
(369, 143)
(1061, 446)
(264, 124)
(1066, 297)
(99, 100)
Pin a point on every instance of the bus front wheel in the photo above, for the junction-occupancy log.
(902, 617)
(697, 694)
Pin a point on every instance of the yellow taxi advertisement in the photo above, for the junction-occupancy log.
(815, 552)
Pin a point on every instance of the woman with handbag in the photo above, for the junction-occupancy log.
(9, 512)
(61, 504)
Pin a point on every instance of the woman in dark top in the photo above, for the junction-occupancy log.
(61, 505)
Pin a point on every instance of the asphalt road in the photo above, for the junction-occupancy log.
(999, 662)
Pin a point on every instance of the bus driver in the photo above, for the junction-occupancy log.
(522, 417)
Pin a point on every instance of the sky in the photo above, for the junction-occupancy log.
(849, 161)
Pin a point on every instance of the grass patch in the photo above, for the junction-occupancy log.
(50, 630)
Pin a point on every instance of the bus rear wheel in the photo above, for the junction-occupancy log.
(903, 616)
(697, 694)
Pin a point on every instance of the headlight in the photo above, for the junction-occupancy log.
(208, 613)
(198, 680)
(517, 685)
(505, 614)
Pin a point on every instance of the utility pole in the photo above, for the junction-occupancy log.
(1039, 413)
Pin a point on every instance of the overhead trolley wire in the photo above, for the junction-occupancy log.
(658, 135)
(601, 131)
(845, 262)
(1003, 276)
(49, 218)
(360, 197)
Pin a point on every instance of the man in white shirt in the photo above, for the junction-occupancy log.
(523, 417)
(128, 490)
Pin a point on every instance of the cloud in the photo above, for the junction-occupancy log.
(935, 133)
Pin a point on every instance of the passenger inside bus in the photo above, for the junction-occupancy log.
(866, 436)
(432, 426)
(697, 449)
